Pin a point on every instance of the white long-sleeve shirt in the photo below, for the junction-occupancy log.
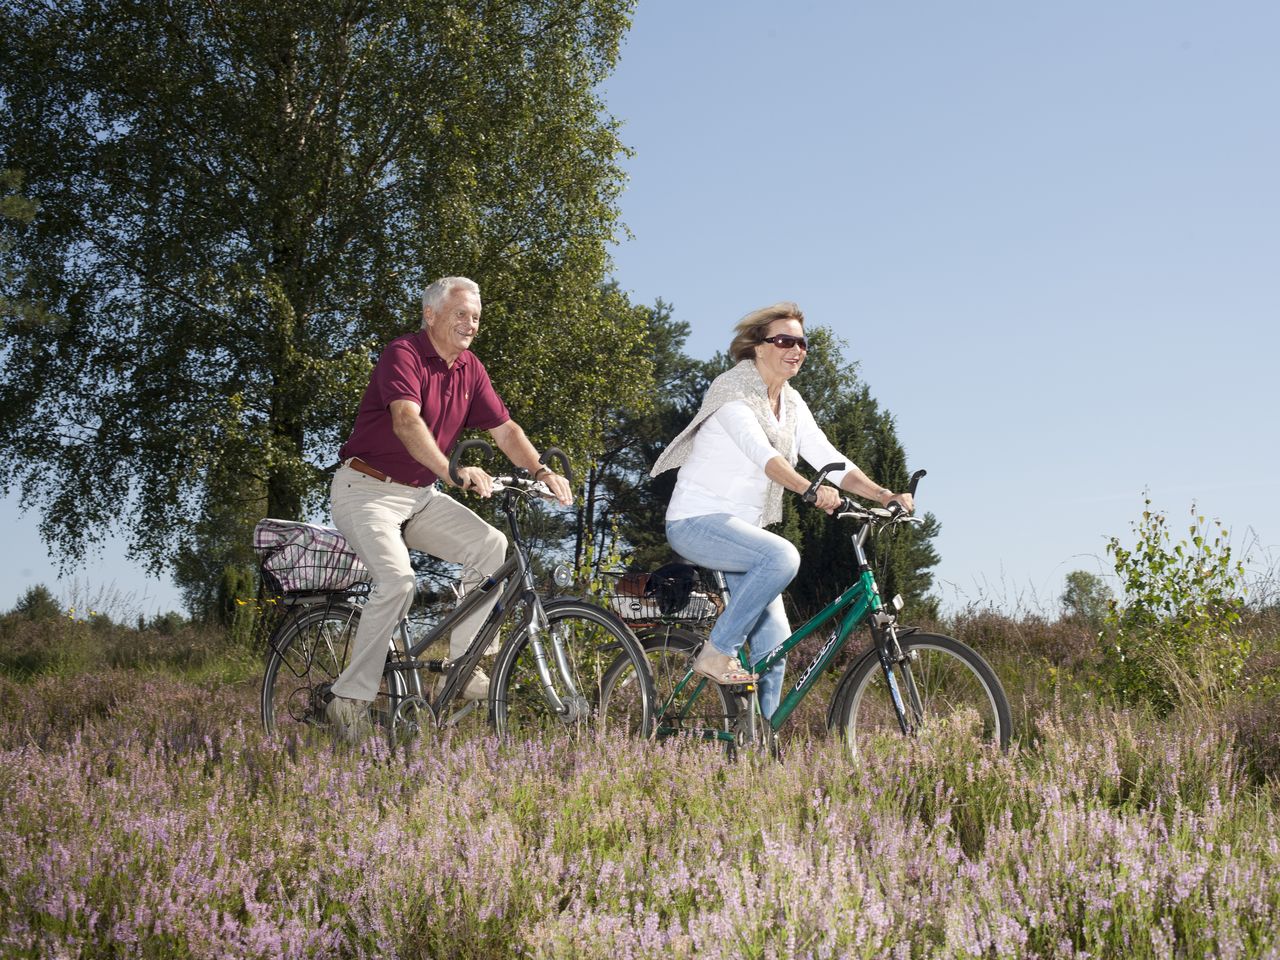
(725, 469)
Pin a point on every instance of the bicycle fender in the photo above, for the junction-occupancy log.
(836, 706)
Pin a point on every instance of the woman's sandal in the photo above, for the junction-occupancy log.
(720, 668)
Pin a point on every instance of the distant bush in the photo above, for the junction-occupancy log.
(1171, 638)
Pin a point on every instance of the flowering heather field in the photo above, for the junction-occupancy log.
(144, 816)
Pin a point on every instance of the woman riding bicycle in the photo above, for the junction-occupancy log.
(735, 458)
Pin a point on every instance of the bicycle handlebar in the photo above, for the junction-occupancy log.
(848, 508)
(811, 494)
(551, 453)
(462, 448)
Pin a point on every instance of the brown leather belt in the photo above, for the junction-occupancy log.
(355, 463)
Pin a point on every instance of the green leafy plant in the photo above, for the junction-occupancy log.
(1170, 639)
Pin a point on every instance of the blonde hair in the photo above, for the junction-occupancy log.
(751, 328)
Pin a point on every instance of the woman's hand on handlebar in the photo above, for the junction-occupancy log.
(905, 500)
(827, 498)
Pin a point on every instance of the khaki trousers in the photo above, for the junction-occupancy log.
(382, 521)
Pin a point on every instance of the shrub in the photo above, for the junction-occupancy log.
(66, 647)
(1171, 638)
(1255, 721)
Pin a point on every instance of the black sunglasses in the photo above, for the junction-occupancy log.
(784, 341)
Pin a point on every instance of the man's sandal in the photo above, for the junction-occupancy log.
(721, 668)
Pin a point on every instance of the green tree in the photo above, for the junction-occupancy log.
(37, 603)
(237, 205)
(1086, 599)
(623, 507)
(16, 211)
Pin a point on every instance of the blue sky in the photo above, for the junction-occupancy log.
(1048, 232)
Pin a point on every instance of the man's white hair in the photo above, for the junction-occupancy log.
(439, 291)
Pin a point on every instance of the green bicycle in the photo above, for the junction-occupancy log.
(907, 682)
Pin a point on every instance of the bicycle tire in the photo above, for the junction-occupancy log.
(956, 687)
(305, 656)
(693, 710)
(593, 641)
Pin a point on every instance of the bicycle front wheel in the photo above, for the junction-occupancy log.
(945, 686)
(305, 657)
(569, 661)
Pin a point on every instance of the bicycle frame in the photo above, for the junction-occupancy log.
(852, 608)
(517, 573)
(860, 603)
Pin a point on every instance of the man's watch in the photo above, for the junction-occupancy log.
(537, 473)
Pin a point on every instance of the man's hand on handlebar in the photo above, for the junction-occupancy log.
(559, 486)
(475, 480)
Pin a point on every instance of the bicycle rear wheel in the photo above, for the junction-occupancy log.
(684, 704)
(306, 655)
(580, 646)
(954, 689)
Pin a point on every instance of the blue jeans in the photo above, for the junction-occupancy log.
(757, 566)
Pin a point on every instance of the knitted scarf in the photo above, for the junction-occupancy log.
(742, 382)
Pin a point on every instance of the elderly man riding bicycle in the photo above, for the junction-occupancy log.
(426, 388)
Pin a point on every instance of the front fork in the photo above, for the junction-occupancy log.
(894, 663)
(572, 706)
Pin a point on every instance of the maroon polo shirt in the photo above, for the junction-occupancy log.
(452, 399)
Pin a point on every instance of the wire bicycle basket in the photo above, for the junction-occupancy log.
(672, 593)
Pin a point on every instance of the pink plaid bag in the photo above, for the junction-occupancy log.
(305, 558)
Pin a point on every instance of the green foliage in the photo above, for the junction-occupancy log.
(167, 624)
(623, 507)
(16, 211)
(237, 607)
(67, 647)
(237, 206)
(1171, 639)
(38, 604)
(1086, 599)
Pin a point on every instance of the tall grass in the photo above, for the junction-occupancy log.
(144, 814)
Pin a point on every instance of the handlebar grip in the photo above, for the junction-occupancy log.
(462, 448)
(915, 478)
(811, 494)
(555, 453)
